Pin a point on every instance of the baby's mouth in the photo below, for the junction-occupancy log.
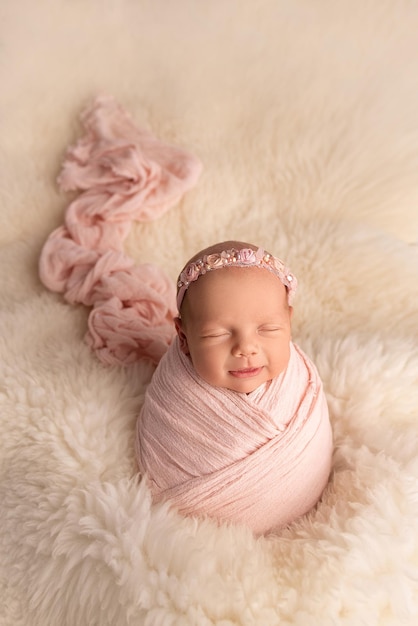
(246, 372)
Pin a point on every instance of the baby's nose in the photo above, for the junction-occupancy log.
(245, 346)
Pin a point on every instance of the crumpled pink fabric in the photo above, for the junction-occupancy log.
(123, 173)
(260, 460)
(132, 316)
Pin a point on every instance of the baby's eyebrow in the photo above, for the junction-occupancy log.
(276, 319)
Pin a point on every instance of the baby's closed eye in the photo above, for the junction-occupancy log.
(269, 328)
(213, 334)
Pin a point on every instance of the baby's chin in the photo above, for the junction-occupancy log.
(246, 389)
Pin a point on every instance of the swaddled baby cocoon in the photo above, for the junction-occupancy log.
(260, 459)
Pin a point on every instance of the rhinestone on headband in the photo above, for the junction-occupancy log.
(243, 257)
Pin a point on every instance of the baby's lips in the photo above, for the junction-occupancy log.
(247, 372)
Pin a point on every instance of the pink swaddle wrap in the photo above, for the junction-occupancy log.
(261, 460)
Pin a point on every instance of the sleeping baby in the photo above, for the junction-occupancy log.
(235, 423)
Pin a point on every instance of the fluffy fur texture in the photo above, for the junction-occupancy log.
(305, 115)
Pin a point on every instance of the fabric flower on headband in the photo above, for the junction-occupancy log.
(247, 256)
(191, 272)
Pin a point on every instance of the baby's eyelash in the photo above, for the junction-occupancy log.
(269, 329)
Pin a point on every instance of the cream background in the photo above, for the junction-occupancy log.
(305, 115)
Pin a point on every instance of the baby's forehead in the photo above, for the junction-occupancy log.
(223, 296)
(228, 284)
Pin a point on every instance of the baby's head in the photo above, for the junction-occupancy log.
(234, 315)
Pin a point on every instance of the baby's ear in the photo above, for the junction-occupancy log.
(184, 347)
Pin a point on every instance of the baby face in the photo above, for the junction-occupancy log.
(236, 327)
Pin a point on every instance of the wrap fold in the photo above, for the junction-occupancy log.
(261, 460)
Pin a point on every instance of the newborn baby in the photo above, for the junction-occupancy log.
(235, 424)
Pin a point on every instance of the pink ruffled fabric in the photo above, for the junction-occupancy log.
(124, 174)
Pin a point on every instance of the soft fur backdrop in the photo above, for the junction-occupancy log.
(305, 115)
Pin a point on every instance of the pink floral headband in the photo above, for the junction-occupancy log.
(244, 257)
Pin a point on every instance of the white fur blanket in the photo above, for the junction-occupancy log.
(305, 117)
